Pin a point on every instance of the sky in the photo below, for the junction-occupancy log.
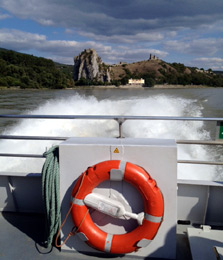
(182, 31)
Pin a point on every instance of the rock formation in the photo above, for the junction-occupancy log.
(88, 65)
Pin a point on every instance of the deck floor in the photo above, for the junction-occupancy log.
(22, 234)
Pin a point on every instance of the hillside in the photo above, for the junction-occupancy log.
(91, 70)
(27, 71)
(159, 72)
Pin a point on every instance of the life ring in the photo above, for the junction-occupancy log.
(153, 207)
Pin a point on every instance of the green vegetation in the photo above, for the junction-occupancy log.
(189, 76)
(27, 71)
(174, 74)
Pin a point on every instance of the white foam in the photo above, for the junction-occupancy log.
(159, 105)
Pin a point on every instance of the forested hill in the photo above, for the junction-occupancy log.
(28, 71)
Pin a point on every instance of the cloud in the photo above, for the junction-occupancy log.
(126, 30)
(126, 17)
(129, 55)
(18, 40)
(214, 63)
(4, 16)
(64, 51)
(203, 46)
(55, 49)
(69, 31)
(126, 39)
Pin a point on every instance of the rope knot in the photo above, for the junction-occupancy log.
(52, 151)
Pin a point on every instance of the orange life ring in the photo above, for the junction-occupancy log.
(153, 207)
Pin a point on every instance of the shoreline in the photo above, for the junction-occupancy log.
(141, 87)
(181, 86)
(166, 86)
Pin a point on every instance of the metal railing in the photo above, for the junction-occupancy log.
(120, 120)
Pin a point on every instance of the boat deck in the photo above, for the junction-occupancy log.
(197, 201)
(22, 234)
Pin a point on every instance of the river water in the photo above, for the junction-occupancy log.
(205, 102)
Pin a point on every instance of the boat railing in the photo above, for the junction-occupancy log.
(120, 120)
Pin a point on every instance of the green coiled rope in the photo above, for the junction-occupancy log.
(50, 193)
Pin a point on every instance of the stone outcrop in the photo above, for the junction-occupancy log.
(88, 65)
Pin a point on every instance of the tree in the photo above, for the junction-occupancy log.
(149, 82)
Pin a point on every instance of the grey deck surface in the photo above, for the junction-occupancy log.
(22, 234)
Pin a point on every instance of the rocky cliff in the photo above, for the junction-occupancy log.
(88, 65)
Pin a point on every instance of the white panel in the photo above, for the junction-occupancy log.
(158, 157)
(192, 201)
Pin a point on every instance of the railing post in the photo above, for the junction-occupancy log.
(120, 121)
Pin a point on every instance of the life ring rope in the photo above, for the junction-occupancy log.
(75, 229)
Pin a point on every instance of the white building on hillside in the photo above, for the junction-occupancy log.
(136, 81)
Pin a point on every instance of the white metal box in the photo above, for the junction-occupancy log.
(157, 157)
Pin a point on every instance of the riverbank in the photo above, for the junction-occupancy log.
(165, 86)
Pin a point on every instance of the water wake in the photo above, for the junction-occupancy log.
(159, 105)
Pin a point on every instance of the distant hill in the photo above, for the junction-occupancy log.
(156, 71)
(27, 71)
(91, 70)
